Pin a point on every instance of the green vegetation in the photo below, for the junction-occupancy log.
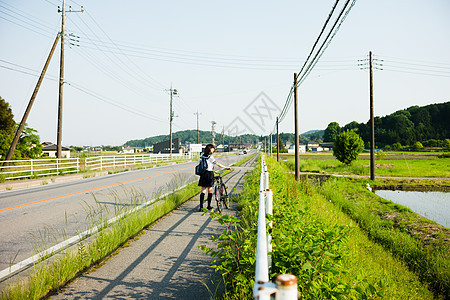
(190, 136)
(421, 244)
(331, 132)
(244, 160)
(205, 137)
(428, 125)
(348, 145)
(49, 276)
(393, 164)
(313, 239)
(28, 145)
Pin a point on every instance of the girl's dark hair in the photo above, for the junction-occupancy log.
(208, 149)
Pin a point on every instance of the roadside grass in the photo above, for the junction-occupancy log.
(313, 239)
(49, 276)
(409, 166)
(244, 160)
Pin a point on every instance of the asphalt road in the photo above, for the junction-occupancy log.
(33, 219)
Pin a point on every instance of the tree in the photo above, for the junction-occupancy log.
(29, 145)
(347, 146)
(6, 127)
(282, 148)
(332, 130)
(351, 126)
(417, 146)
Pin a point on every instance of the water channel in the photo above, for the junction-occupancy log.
(432, 205)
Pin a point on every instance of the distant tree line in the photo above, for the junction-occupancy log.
(190, 136)
(428, 125)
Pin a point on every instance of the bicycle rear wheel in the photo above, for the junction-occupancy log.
(224, 194)
(218, 197)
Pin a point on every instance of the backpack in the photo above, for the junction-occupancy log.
(201, 168)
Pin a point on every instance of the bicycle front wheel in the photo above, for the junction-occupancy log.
(217, 196)
(224, 195)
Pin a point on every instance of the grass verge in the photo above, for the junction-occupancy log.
(331, 255)
(244, 160)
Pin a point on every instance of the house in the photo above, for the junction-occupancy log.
(301, 148)
(128, 150)
(316, 149)
(50, 151)
(311, 145)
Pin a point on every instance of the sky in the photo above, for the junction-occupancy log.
(232, 61)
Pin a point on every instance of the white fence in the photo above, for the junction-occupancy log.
(285, 286)
(17, 169)
(123, 161)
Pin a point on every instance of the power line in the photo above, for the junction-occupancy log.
(84, 90)
(124, 67)
(304, 72)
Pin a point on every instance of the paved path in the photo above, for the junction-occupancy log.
(164, 263)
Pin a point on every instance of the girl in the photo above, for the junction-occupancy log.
(207, 178)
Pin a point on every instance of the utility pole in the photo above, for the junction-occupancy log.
(172, 92)
(213, 133)
(278, 143)
(372, 122)
(30, 103)
(198, 133)
(223, 138)
(270, 145)
(61, 78)
(297, 156)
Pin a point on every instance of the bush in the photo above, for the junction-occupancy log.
(347, 147)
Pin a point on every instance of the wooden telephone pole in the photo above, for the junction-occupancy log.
(278, 143)
(172, 92)
(61, 78)
(297, 156)
(372, 121)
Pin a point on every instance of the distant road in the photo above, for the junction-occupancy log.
(47, 215)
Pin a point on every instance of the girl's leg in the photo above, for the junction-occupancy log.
(210, 191)
(202, 197)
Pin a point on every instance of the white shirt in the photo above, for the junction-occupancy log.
(211, 161)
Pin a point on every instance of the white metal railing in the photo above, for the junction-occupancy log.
(28, 168)
(285, 286)
(123, 161)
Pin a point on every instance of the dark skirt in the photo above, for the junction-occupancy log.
(207, 179)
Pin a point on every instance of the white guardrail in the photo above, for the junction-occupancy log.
(285, 286)
(17, 169)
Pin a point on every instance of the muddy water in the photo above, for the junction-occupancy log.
(432, 205)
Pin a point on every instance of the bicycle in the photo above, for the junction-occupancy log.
(220, 192)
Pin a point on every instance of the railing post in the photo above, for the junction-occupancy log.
(261, 270)
(78, 164)
(287, 287)
(101, 163)
(114, 162)
(269, 211)
(31, 167)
